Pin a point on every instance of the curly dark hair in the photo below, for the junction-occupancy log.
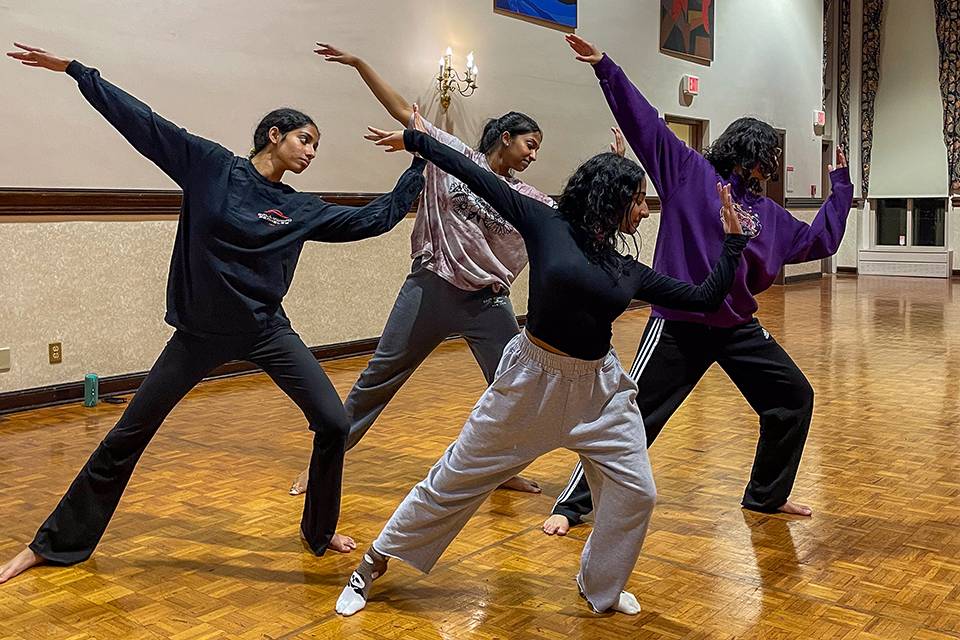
(746, 143)
(594, 201)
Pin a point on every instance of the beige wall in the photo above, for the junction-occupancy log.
(803, 268)
(217, 66)
(106, 301)
(847, 254)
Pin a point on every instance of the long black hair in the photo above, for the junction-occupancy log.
(594, 201)
(285, 119)
(746, 143)
(514, 123)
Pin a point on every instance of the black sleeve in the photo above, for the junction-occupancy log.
(340, 223)
(170, 147)
(518, 209)
(665, 291)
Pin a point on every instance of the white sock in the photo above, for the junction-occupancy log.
(627, 603)
(350, 601)
(354, 595)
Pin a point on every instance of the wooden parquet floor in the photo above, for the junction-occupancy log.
(205, 545)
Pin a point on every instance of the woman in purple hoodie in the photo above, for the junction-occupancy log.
(679, 346)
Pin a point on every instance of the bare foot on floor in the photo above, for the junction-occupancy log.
(20, 563)
(795, 509)
(341, 544)
(299, 485)
(519, 483)
(556, 525)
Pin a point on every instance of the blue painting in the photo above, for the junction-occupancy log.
(560, 14)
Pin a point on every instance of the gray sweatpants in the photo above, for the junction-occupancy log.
(428, 309)
(538, 402)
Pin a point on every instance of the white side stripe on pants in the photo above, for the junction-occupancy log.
(643, 357)
(574, 481)
(647, 348)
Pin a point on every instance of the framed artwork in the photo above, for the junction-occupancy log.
(557, 14)
(687, 29)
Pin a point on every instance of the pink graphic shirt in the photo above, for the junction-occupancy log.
(459, 236)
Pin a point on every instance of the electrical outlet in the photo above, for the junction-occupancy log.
(55, 351)
(5, 359)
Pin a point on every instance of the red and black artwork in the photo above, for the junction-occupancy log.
(687, 29)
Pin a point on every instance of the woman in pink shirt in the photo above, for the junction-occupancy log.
(465, 258)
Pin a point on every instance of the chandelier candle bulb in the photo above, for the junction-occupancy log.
(450, 80)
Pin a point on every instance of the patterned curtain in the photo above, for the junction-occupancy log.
(843, 76)
(826, 58)
(869, 83)
(948, 25)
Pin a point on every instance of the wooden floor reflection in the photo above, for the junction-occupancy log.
(204, 544)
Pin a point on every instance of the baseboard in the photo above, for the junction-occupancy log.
(803, 203)
(67, 392)
(26, 399)
(802, 277)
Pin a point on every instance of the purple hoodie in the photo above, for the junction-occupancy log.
(691, 236)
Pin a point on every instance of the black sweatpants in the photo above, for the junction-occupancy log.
(73, 530)
(671, 360)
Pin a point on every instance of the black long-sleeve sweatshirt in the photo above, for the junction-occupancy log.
(573, 300)
(240, 235)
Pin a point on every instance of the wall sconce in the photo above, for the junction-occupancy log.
(448, 80)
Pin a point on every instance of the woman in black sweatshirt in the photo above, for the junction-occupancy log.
(560, 379)
(238, 240)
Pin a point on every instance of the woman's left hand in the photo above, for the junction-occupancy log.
(841, 161)
(731, 223)
(392, 140)
(37, 57)
(331, 53)
(585, 51)
(618, 146)
(418, 119)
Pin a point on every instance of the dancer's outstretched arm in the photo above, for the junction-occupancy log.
(399, 107)
(402, 110)
(170, 147)
(341, 223)
(821, 238)
(660, 152)
(665, 291)
(519, 210)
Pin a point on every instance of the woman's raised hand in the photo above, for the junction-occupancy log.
(731, 223)
(331, 53)
(585, 51)
(392, 140)
(36, 57)
(841, 161)
(418, 119)
(618, 146)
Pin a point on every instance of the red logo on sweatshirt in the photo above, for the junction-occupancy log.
(274, 216)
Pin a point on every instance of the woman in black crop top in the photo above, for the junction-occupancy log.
(560, 379)
(579, 283)
(238, 240)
